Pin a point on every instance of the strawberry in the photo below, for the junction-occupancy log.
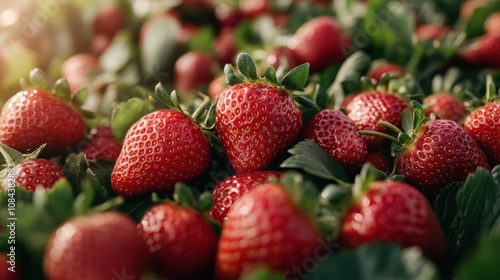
(109, 20)
(339, 136)
(265, 226)
(482, 51)
(192, 70)
(379, 69)
(162, 148)
(445, 106)
(106, 148)
(7, 270)
(468, 7)
(391, 211)
(216, 86)
(378, 161)
(78, 68)
(101, 131)
(38, 172)
(432, 31)
(320, 42)
(225, 45)
(492, 24)
(483, 125)
(33, 117)
(368, 108)
(254, 8)
(97, 246)
(436, 153)
(256, 119)
(227, 191)
(180, 239)
(281, 56)
(227, 16)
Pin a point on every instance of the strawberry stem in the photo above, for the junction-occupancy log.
(390, 126)
(379, 134)
(202, 108)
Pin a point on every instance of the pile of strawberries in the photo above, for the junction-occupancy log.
(260, 140)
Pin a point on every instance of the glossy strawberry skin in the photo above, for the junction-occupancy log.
(392, 211)
(106, 148)
(255, 122)
(264, 226)
(445, 106)
(483, 52)
(391, 69)
(368, 108)
(96, 246)
(483, 124)
(180, 239)
(77, 69)
(442, 152)
(192, 70)
(321, 42)
(38, 172)
(227, 191)
(339, 136)
(379, 161)
(33, 117)
(159, 150)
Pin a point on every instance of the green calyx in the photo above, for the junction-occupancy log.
(294, 80)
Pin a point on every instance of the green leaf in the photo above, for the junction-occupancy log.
(313, 159)
(334, 197)
(38, 79)
(303, 192)
(118, 53)
(418, 114)
(125, 114)
(306, 102)
(60, 200)
(483, 262)
(246, 66)
(407, 121)
(80, 95)
(352, 69)
(270, 75)
(62, 90)
(231, 76)
(366, 176)
(205, 201)
(10, 155)
(475, 24)
(202, 40)
(296, 79)
(183, 195)
(375, 261)
(75, 168)
(261, 272)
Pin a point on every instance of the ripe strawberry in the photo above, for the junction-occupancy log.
(379, 69)
(227, 191)
(482, 52)
(440, 152)
(38, 172)
(391, 211)
(216, 87)
(227, 16)
(6, 272)
(109, 20)
(254, 8)
(445, 106)
(33, 117)
(281, 56)
(97, 246)
(378, 161)
(432, 31)
(265, 226)
(78, 68)
(255, 119)
(180, 239)
(162, 148)
(321, 42)
(468, 7)
(225, 45)
(101, 131)
(339, 136)
(368, 108)
(106, 148)
(483, 125)
(192, 70)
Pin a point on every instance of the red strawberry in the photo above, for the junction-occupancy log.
(368, 108)
(432, 31)
(278, 55)
(101, 131)
(38, 172)
(7, 270)
(34, 117)
(106, 148)
(265, 226)
(379, 69)
(256, 120)
(440, 152)
(225, 45)
(253, 8)
(391, 211)
(98, 246)
(216, 87)
(180, 239)
(339, 136)
(468, 7)
(446, 106)
(107, 23)
(78, 68)
(227, 16)
(378, 160)
(192, 70)
(483, 124)
(482, 52)
(159, 150)
(227, 191)
(321, 42)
